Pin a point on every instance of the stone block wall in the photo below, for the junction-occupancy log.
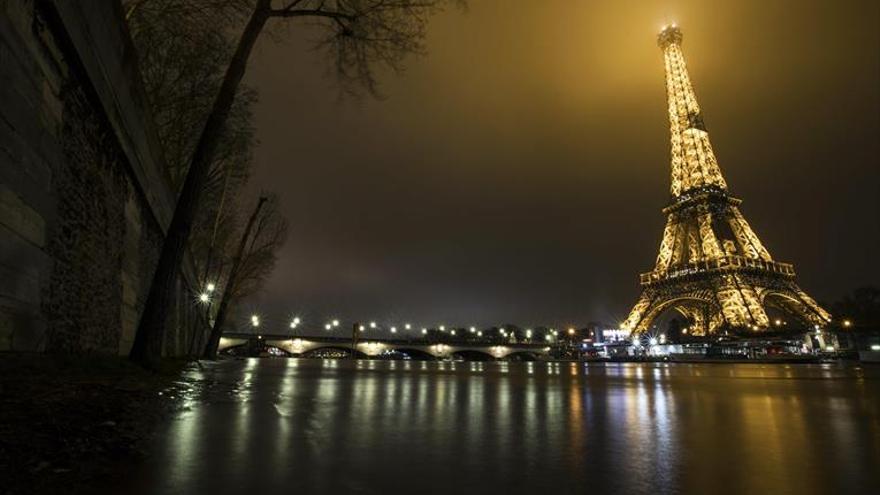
(84, 202)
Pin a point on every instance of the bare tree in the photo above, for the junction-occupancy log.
(264, 233)
(360, 34)
(184, 47)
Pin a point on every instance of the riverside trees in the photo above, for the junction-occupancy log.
(358, 36)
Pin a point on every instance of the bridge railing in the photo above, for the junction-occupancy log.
(346, 341)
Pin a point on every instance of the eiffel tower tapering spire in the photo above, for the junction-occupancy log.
(693, 161)
(712, 268)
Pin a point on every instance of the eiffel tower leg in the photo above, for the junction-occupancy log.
(636, 318)
(747, 238)
(667, 245)
(811, 304)
(796, 302)
(697, 317)
(740, 305)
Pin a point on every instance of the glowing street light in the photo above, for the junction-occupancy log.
(529, 333)
(452, 332)
(255, 320)
(393, 329)
(407, 326)
(328, 327)
(210, 287)
(372, 324)
(548, 337)
(442, 328)
(479, 333)
(571, 331)
(847, 323)
(424, 331)
(361, 328)
(473, 329)
(652, 341)
(335, 323)
(204, 297)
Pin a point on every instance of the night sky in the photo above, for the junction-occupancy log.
(517, 172)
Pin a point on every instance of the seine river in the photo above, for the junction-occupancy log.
(264, 426)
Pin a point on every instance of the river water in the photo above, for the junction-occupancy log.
(265, 426)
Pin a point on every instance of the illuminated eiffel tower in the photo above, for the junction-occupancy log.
(712, 268)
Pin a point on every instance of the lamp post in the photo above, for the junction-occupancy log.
(355, 328)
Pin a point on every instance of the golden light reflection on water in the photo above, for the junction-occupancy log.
(369, 426)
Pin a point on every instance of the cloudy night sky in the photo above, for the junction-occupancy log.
(516, 172)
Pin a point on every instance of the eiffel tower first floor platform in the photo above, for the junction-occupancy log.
(732, 292)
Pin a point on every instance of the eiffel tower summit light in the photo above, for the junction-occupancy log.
(712, 268)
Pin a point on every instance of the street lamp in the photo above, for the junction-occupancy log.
(335, 323)
(847, 323)
(372, 324)
(204, 297)
(210, 287)
(407, 326)
(255, 320)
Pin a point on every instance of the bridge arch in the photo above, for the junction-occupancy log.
(473, 355)
(522, 356)
(319, 351)
(416, 354)
(254, 349)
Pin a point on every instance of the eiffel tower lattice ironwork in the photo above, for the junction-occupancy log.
(712, 268)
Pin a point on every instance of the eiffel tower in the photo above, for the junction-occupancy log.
(712, 268)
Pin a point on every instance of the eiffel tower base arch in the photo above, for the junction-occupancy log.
(736, 301)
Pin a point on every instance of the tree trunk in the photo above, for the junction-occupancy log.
(220, 319)
(203, 283)
(147, 348)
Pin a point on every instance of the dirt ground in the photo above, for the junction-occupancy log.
(66, 422)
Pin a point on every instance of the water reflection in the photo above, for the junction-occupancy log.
(282, 426)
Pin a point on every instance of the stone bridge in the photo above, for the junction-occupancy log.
(303, 346)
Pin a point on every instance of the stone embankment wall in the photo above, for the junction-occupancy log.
(84, 202)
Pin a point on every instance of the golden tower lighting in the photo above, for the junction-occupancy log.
(711, 268)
